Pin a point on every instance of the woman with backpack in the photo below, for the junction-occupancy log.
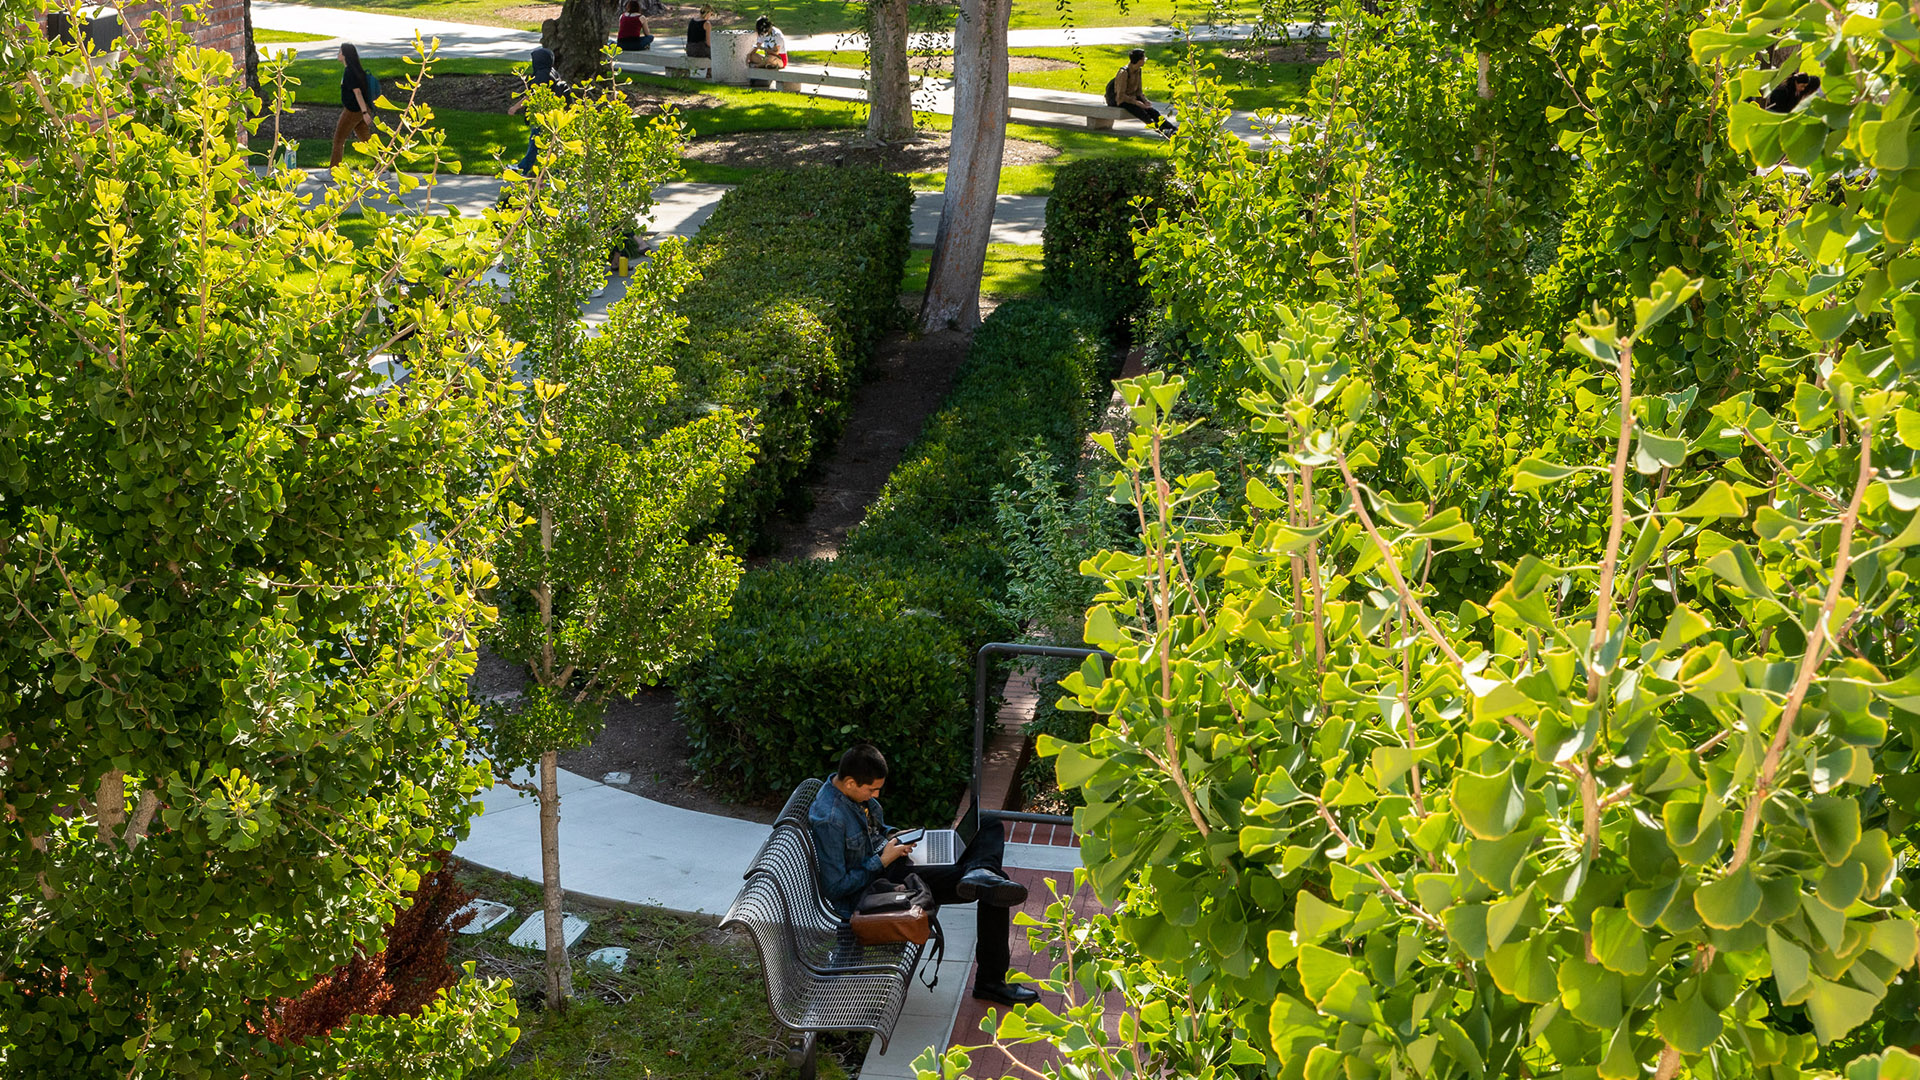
(1124, 91)
(357, 95)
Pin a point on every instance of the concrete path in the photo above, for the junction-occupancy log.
(620, 847)
(680, 209)
(388, 35)
(394, 35)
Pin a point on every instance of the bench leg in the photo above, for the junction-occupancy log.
(1099, 123)
(804, 1055)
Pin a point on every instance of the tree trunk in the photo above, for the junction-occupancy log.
(890, 97)
(559, 971)
(585, 26)
(973, 171)
(253, 54)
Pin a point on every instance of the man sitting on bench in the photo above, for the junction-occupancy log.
(1124, 92)
(856, 848)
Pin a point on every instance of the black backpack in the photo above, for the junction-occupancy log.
(1113, 98)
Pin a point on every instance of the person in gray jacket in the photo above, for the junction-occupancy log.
(856, 848)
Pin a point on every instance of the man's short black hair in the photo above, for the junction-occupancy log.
(763, 24)
(1137, 55)
(864, 764)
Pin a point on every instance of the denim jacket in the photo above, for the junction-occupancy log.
(848, 835)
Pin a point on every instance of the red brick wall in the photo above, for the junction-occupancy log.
(221, 24)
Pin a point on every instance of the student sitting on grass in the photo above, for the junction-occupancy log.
(856, 848)
(633, 35)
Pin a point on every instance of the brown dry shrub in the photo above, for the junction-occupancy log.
(400, 981)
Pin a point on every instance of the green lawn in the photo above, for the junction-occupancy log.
(1013, 270)
(690, 1003)
(484, 143)
(284, 37)
(1251, 87)
(830, 16)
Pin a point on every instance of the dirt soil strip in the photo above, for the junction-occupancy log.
(907, 381)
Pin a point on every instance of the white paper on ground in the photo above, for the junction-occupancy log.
(487, 914)
(532, 934)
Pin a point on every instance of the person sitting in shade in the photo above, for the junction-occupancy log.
(633, 35)
(770, 51)
(1124, 92)
(856, 848)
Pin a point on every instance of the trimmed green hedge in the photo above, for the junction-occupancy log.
(1088, 259)
(799, 275)
(878, 645)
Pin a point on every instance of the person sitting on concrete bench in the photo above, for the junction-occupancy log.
(633, 34)
(698, 44)
(856, 848)
(1124, 92)
(771, 50)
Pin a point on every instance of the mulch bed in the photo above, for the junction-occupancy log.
(1016, 64)
(765, 149)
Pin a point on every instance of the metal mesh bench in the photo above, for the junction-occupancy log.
(818, 977)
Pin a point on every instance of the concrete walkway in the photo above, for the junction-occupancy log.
(617, 846)
(680, 209)
(395, 35)
(389, 35)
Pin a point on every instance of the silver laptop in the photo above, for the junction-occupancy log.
(943, 847)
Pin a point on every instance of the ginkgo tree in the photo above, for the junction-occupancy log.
(606, 582)
(1633, 797)
(239, 593)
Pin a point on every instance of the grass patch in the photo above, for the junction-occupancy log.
(1012, 271)
(1251, 87)
(750, 109)
(690, 1004)
(485, 143)
(319, 80)
(285, 37)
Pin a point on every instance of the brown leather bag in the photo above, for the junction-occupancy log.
(892, 912)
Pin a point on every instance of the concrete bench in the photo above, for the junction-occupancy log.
(779, 77)
(1100, 116)
(676, 64)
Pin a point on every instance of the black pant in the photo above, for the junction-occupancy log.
(989, 846)
(1146, 115)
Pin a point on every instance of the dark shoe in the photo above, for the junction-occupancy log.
(988, 887)
(1006, 995)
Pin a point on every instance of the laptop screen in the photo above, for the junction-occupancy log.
(969, 825)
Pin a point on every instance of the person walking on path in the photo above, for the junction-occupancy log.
(771, 50)
(541, 75)
(356, 110)
(699, 31)
(856, 848)
(634, 36)
(1124, 92)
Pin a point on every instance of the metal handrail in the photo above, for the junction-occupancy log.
(981, 662)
